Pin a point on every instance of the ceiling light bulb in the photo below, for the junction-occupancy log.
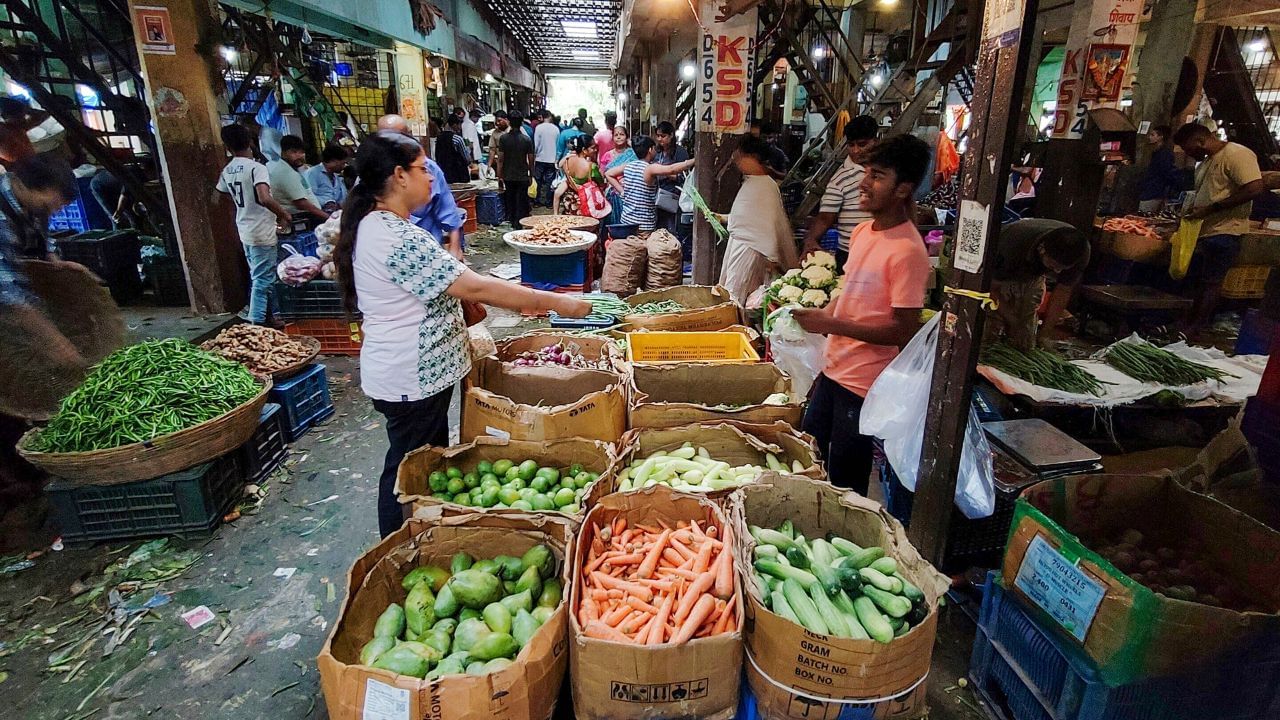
(1257, 46)
(488, 77)
(819, 52)
(687, 71)
(877, 80)
(229, 54)
(622, 97)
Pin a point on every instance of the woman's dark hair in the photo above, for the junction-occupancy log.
(376, 160)
(578, 143)
(755, 146)
(665, 128)
(45, 172)
(906, 155)
(236, 137)
(642, 145)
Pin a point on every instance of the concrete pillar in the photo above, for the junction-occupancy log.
(184, 107)
(1169, 36)
(663, 81)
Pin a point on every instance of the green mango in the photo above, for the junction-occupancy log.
(513, 603)
(495, 665)
(485, 566)
(448, 667)
(509, 568)
(431, 654)
(475, 589)
(543, 614)
(414, 577)
(523, 627)
(419, 608)
(437, 576)
(531, 581)
(469, 614)
(509, 587)
(501, 467)
(540, 556)
(390, 623)
(552, 593)
(462, 657)
(438, 639)
(497, 618)
(460, 562)
(402, 660)
(469, 632)
(494, 645)
(475, 668)
(374, 648)
(446, 604)
(448, 625)
(409, 634)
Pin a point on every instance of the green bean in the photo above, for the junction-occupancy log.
(1041, 367)
(1148, 363)
(144, 391)
(662, 306)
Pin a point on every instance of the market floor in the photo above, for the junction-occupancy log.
(274, 580)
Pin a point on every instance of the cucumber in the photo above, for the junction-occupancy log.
(774, 538)
(823, 553)
(844, 546)
(909, 591)
(845, 606)
(850, 579)
(827, 577)
(901, 630)
(864, 558)
(877, 578)
(830, 615)
(780, 607)
(797, 557)
(872, 621)
(804, 608)
(784, 572)
(893, 605)
(886, 565)
(787, 528)
(766, 551)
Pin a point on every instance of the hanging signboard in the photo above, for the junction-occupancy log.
(1001, 22)
(726, 61)
(1096, 64)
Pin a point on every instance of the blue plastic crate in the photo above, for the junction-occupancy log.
(1025, 672)
(304, 242)
(268, 447)
(558, 270)
(830, 240)
(1256, 333)
(489, 209)
(304, 400)
(83, 213)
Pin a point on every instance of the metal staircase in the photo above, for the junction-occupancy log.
(77, 59)
(1237, 75)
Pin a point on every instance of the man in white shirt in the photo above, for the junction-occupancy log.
(248, 183)
(842, 201)
(545, 137)
(471, 134)
(326, 180)
(288, 185)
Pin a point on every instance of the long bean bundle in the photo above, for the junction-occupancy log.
(1148, 363)
(607, 305)
(661, 306)
(1041, 367)
(144, 391)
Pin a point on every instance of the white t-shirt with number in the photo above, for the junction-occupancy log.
(240, 179)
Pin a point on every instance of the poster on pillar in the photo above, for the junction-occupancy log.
(1096, 64)
(727, 65)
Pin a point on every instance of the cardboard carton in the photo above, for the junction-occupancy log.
(699, 679)
(822, 666)
(411, 479)
(683, 393)
(527, 690)
(543, 403)
(708, 308)
(1127, 630)
(592, 347)
(774, 700)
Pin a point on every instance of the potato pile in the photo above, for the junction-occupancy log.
(1181, 573)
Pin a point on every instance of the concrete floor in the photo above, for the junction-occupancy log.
(274, 579)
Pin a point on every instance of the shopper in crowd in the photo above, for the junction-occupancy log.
(408, 291)
(669, 152)
(562, 143)
(1162, 177)
(288, 184)
(621, 154)
(579, 167)
(439, 216)
(878, 312)
(637, 183)
(1031, 254)
(501, 126)
(530, 125)
(514, 169)
(546, 137)
(1227, 181)
(604, 136)
(32, 188)
(113, 196)
(16, 118)
(326, 180)
(471, 134)
(778, 163)
(761, 245)
(588, 127)
(842, 200)
(258, 213)
(451, 152)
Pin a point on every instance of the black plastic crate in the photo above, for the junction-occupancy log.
(113, 255)
(314, 299)
(304, 400)
(268, 447)
(187, 503)
(168, 281)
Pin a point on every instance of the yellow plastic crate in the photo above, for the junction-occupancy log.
(674, 347)
(1245, 282)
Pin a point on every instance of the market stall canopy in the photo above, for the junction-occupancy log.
(564, 34)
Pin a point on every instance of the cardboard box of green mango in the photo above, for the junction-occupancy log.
(506, 650)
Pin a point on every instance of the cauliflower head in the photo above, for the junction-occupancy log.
(790, 293)
(813, 298)
(818, 276)
(822, 258)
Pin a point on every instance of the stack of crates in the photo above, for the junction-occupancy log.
(558, 273)
(82, 214)
(304, 401)
(489, 209)
(113, 255)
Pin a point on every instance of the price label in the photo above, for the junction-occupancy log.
(1059, 587)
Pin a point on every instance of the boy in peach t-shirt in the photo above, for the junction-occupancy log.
(878, 312)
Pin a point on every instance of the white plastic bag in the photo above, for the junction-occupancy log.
(686, 196)
(297, 268)
(796, 352)
(895, 410)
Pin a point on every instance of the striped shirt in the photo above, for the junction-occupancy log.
(638, 197)
(843, 197)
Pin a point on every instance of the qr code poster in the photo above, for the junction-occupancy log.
(971, 236)
(1002, 21)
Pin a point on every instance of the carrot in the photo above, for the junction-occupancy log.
(641, 605)
(660, 620)
(651, 529)
(694, 594)
(599, 594)
(703, 559)
(615, 616)
(722, 623)
(673, 557)
(711, 530)
(608, 581)
(665, 586)
(628, 559)
(697, 529)
(634, 621)
(724, 571)
(682, 572)
(694, 619)
(651, 558)
(600, 631)
(682, 549)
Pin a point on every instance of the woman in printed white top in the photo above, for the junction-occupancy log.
(409, 289)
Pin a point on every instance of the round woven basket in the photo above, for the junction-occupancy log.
(163, 455)
(313, 350)
(535, 221)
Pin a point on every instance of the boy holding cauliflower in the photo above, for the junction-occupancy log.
(876, 312)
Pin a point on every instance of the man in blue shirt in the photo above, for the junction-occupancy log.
(562, 142)
(1162, 177)
(325, 179)
(440, 216)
